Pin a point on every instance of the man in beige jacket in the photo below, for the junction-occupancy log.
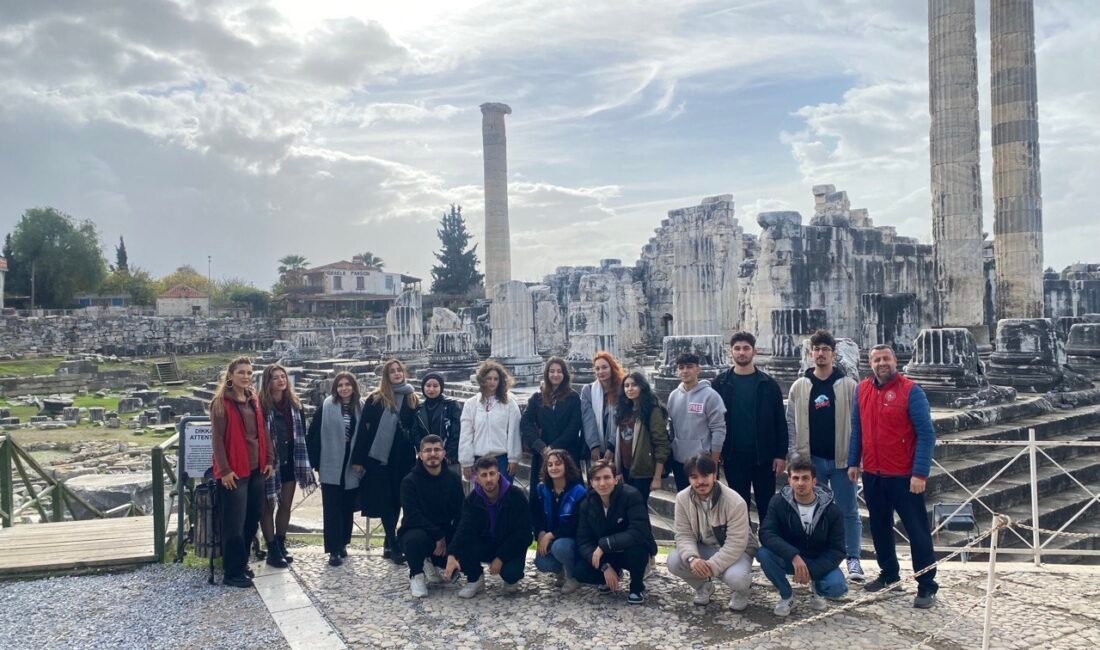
(713, 539)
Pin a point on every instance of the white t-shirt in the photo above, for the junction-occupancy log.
(806, 512)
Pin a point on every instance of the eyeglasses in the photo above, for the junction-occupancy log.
(822, 348)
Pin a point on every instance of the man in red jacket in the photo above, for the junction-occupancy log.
(892, 438)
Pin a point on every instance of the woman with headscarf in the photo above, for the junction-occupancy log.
(439, 415)
(385, 451)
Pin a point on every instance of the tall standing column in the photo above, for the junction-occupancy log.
(955, 147)
(498, 247)
(1018, 212)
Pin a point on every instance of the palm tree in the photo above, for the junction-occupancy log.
(292, 263)
(370, 259)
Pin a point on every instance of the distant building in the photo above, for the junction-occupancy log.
(346, 288)
(182, 300)
(83, 300)
(3, 272)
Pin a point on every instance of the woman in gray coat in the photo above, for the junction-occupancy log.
(331, 440)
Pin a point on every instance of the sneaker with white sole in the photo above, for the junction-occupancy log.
(603, 589)
(636, 598)
(559, 578)
(431, 573)
(784, 606)
(703, 594)
(510, 587)
(739, 600)
(418, 586)
(855, 570)
(817, 601)
(569, 586)
(471, 589)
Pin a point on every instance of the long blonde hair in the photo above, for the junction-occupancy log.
(267, 396)
(384, 391)
(217, 402)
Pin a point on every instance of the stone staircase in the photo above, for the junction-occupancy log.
(167, 373)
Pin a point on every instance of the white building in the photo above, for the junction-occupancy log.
(182, 300)
(347, 287)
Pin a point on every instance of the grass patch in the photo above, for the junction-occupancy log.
(82, 434)
(197, 362)
(29, 367)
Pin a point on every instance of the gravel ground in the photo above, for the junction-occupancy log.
(159, 606)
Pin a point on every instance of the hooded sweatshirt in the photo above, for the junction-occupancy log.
(697, 421)
(820, 545)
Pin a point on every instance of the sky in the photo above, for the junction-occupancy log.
(246, 130)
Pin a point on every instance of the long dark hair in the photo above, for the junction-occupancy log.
(647, 401)
(503, 385)
(549, 396)
(355, 395)
(572, 472)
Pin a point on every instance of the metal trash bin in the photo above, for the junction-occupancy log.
(208, 521)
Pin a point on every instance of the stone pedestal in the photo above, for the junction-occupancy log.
(946, 365)
(452, 355)
(1083, 349)
(1029, 357)
(512, 318)
(789, 327)
(713, 351)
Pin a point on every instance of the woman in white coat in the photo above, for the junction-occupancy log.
(490, 422)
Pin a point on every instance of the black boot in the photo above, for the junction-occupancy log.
(396, 554)
(387, 550)
(274, 556)
(282, 548)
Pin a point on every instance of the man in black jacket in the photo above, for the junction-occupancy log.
(495, 529)
(431, 499)
(755, 450)
(803, 536)
(613, 534)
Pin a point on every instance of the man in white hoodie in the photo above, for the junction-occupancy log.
(697, 418)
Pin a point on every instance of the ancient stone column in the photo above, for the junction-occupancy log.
(498, 247)
(405, 330)
(1018, 211)
(513, 321)
(956, 168)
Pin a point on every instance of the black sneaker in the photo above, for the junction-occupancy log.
(924, 600)
(880, 583)
(344, 552)
(237, 581)
(334, 559)
(397, 557)
(603, 589)
(636, 597)
(249, 573)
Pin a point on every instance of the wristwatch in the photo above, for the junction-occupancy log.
(692, 558)
(605, 566)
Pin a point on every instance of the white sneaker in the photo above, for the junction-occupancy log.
(471, 589)
(431, 573)
(418, 586)
(570, 585)
(817, 601)
(784, 606)
(509, 588)
(739, 600)
(703, 593)
(855, 570)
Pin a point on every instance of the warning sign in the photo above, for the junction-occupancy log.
(198, 448)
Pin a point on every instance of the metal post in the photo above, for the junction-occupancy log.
(1032, 451)
(7, 497)
(158, 503)
(998, 521)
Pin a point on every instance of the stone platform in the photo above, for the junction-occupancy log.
(367, 600)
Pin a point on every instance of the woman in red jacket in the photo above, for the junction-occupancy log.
(243, 457)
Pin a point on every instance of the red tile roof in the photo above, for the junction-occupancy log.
(182, 291)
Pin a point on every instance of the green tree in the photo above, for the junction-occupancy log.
(456, 272)
(258, 300)
(185, 274)
(135, 282)
(292, 263)
(60, 255)
(7, 247)
(370, 259)
(122, 263)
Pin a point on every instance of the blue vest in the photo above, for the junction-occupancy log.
(567, 507)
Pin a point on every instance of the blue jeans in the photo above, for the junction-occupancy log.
(833, 585)
(562, 557)
(844, 494)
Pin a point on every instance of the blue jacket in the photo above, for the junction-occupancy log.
(563, 522)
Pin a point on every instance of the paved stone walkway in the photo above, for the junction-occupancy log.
(367, 600)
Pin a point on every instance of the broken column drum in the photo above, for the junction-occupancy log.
(452, 352)
(405, 329)
(947, 366)
(498, 247)
(1029, 357)
(1083, 349)
(512, 318)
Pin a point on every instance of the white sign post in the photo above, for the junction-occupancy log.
(198, 448)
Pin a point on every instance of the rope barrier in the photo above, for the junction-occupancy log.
(943, 628)
(1058, 533)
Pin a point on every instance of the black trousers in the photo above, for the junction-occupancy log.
(633, 559)
(418, 546)
(640, 484)
(473, 556)
(886, 495)
(678, 473)
(338, 512)
(748, 478)
(241, 510)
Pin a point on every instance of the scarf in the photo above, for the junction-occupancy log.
(387, 426)
(494, 509)
(302, 471)
(597, 398)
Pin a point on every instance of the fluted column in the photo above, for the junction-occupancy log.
(1018, 211)
(498, 247)
(956, 169)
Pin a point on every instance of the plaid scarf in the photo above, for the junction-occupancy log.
(302, 471)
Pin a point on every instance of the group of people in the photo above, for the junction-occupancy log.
(399, 456)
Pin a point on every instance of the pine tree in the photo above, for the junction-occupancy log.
(456, 272)
(7, 247)
(121, 261)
